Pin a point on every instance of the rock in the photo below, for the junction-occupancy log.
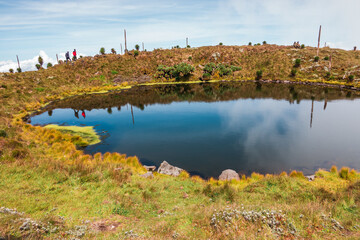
(185, 195)
(215, 55)
(229, 174)
(166, 168)
(150, 168)
(310, 177)
(148, 175)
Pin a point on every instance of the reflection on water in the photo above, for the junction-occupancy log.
(206, 128)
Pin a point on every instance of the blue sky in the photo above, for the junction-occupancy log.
(29, 28)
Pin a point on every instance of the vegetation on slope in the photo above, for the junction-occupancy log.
(60, 192)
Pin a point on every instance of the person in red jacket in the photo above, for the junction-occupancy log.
(74, 55)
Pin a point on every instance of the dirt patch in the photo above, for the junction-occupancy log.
(105, 226)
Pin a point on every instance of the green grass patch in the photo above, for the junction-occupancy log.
(87, 133)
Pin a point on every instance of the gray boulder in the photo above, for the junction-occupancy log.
(166, 168)
(229, 174)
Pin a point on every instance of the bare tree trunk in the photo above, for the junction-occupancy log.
(317, 53)
(120, 48)
(330, 63)
(57, 58)
(125, 41)
(143, 46)
(18, 61)
(187, 42)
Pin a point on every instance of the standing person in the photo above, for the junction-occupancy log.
(67, 56)
(74, 55)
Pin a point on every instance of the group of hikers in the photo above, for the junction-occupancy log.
(296, 45)
(67, 56)
(76, 113)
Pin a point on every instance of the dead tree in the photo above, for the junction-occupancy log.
(317, 53)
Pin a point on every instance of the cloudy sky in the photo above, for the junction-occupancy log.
(31, 28)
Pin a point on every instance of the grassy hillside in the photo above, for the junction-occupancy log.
(60, 192)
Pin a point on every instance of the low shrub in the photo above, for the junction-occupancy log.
(297, 62)
(220, 69)
(137, 47)
(249, 43)
(316, 58)
(326, 58)
(114, 72)
(334, 169)
(293, 72)
(327, 75)
(11, 70)
(344, 173)
(113, 51)
(264, 42)
(38, 66)
(351, 78)
(3, 133)
(102, 51)
(297, 174)
(136, 53)
(302, 46)
(49, 65)
(190, 58)
(259, 74)
(220, 43)
(19, 70)
(177, 71)
(188, 46)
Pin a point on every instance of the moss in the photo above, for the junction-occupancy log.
(86, 133)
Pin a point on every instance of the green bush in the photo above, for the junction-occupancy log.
(250, 44)
(113, 51)
(328, 74)
(11, 70)
(206, 76)
(177, 71)
(102, 51)
(114, 72)
(351, 78)
(293, 72)
(264, 42)
(137, 47)
(297, 62)
(316, 58)
(221, 69)
(220, 43)
(19, 70)
(326, 58)
(41, 61)
(3, 133)
(302, 46)
(136, 53)
(49, 65)
(188, 46)
(38, 66)
(259, 74)
(190, 58)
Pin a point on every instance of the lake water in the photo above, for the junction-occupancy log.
(206, 128)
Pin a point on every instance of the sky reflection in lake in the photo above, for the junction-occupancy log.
(262, 134)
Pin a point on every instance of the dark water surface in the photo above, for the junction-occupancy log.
(206, 128)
